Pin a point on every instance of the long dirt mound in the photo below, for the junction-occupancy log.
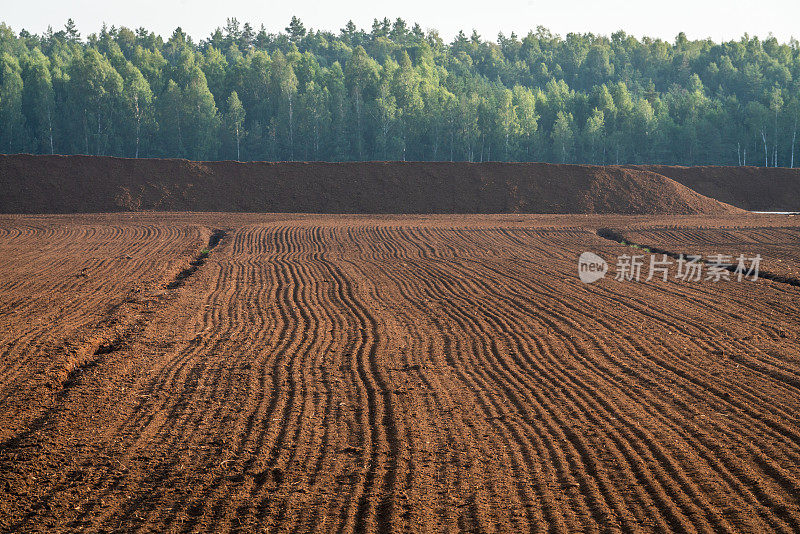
(751, 188)
(75, 184)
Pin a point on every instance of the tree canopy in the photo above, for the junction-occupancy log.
(397, 92)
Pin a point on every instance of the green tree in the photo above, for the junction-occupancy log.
(170, 121)
(72, 31)
(563, 135)
(284, 88)
(234, 120)
(405, 87)
(200, 117)
(38, 100)
(394, 91)
(775, 105)
(386, 112)
(12, 121)
(595, 135)
(316, 116)
(215, 68)
(296, 29)
(361, 75)
(526, 120)
(757, 118)
(139, 100)
(95, 91)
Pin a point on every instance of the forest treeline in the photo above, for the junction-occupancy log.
(397, 92)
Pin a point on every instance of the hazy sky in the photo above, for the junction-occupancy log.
(718, 19)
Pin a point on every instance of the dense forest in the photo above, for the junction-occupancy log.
(399, 93)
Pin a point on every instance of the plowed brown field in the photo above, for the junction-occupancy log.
(391, 374)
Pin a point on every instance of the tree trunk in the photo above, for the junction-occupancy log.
(358, 123)
(98, 131)
(180, 138)
(86, 131)
(238, 157)
(452, 135)
(766, 152)
(291, 130)
(775, 150)
(794, 136)
(50, 127)
(316, 138)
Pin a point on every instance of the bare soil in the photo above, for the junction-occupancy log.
(89, 184)
(751, 188)
(391, 374)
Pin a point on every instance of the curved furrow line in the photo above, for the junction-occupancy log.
(301, 443)
(706, 446)
(374, 374)
(443, 399)
(477, 376)
(712, 301)
(763, 364)
(409, 487)
(582, 452)
(587, 401)
(489, 408)
(281, 458)
(547, 441)
(323, 448)
(786, 480)
(239, 320)
(49, 350)
(160, 419)
(275, 389)
(579, 311)
(695, 376)
(376, 508)
(680, 425)
(175, 367)
(111, 320)
(479, 499)
(364, 427)
(177, 370)
(258, 421)
(520, 449)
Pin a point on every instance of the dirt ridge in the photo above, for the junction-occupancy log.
(750, 188)
(93, 184)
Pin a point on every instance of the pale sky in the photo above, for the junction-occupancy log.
(718, 19)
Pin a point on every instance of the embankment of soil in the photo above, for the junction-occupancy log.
(74, 184)
(751, 188)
